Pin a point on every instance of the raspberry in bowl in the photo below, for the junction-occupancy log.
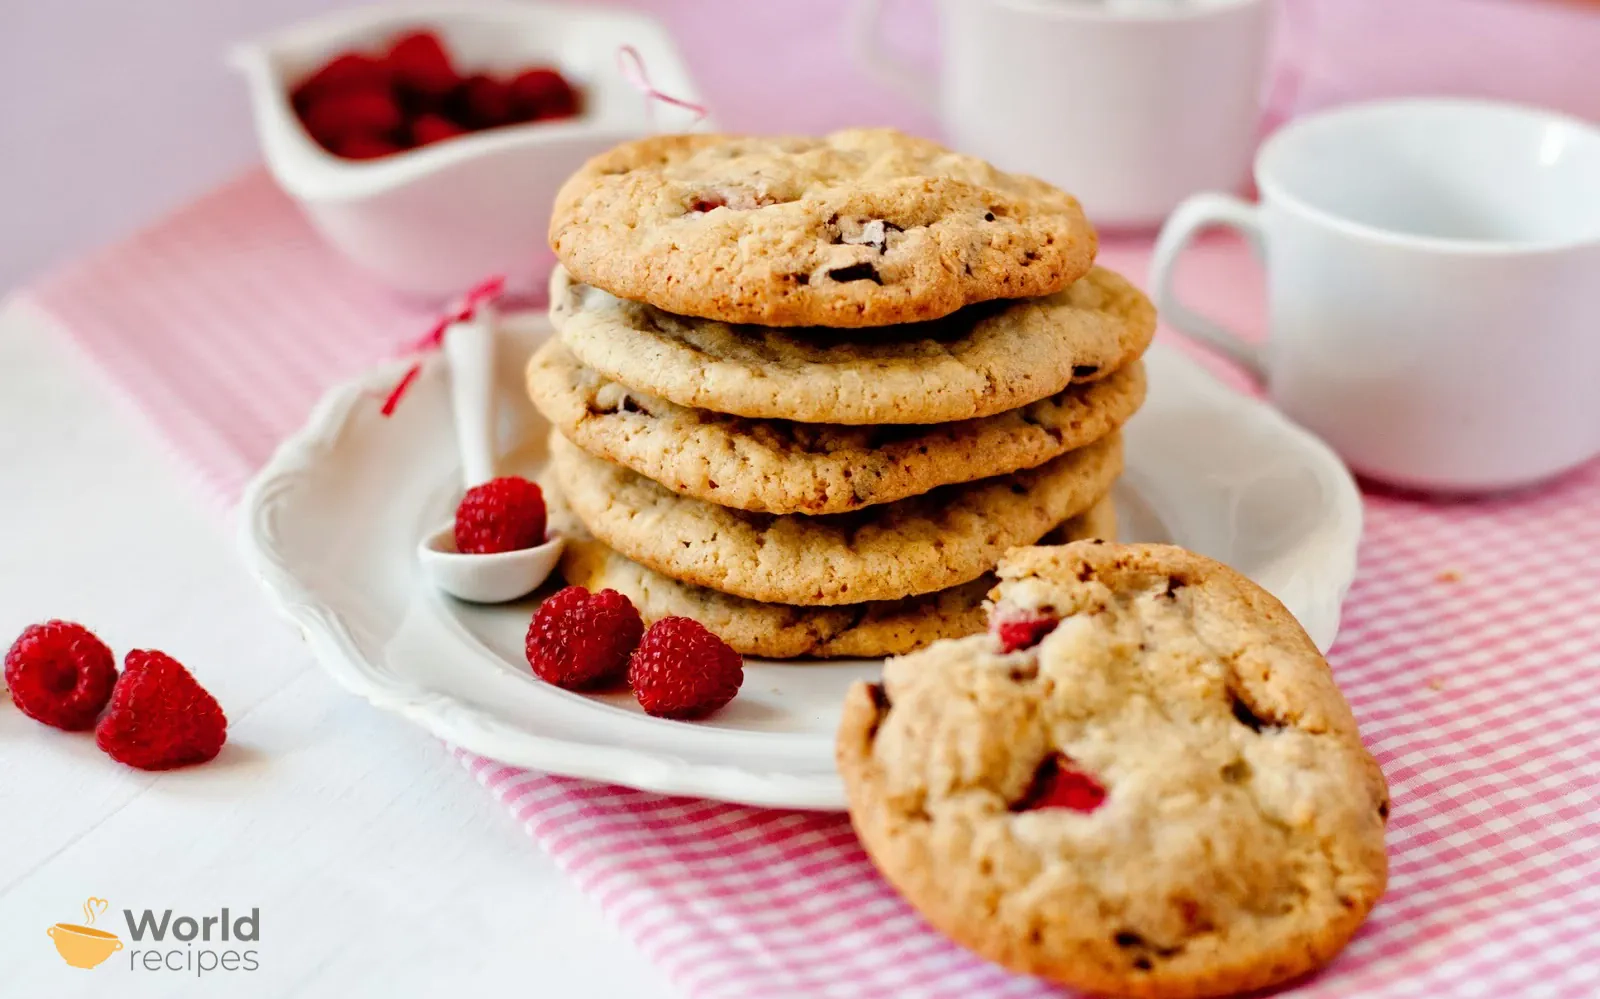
(396, 165)
(410, 92)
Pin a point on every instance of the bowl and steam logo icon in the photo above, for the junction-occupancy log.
(84, 946)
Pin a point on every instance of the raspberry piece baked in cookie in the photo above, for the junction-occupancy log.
(1158, 791)
(865, 227)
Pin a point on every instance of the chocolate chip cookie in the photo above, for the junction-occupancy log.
(866, 227)
(1141, 782)
(930, 542)
(782, 631)
(778, 466)
(983, 360)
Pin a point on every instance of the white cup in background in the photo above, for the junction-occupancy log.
(1433, 285)
(1131, 106)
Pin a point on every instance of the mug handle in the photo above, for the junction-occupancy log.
(1194, 216)
(872, 54)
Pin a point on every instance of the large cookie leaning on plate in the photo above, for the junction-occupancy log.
(931, 542)
(1159, 793)
(983, 360)
(866, 227)
(778, 466)
(782, 631)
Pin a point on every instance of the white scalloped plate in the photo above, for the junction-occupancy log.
(331, 523)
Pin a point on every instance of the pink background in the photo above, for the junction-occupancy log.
(113, 112)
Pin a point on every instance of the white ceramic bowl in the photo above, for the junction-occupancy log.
(432, 221)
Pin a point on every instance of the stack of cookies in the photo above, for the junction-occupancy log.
(809, 391)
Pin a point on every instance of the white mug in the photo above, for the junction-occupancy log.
(1433, 287)
(1131, 106)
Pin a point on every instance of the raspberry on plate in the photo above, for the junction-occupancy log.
(501, 515)
(579, 639)
(60, 674)
(160, 716)
(681, 670)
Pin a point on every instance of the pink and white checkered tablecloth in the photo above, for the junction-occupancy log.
(1470, 652)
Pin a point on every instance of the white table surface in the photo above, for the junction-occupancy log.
(378, 865)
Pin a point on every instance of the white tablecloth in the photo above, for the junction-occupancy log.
(377, 867)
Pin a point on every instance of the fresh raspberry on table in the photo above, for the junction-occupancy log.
(681, 670)
(421, 65)
(542, 93)
(502, 515)
(579, 639)
(160, 716)
(60, 674)
(1022, 629)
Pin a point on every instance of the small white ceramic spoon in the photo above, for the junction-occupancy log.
(484, 579)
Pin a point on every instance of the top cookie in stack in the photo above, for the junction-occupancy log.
(808, 391)
(867, 227)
